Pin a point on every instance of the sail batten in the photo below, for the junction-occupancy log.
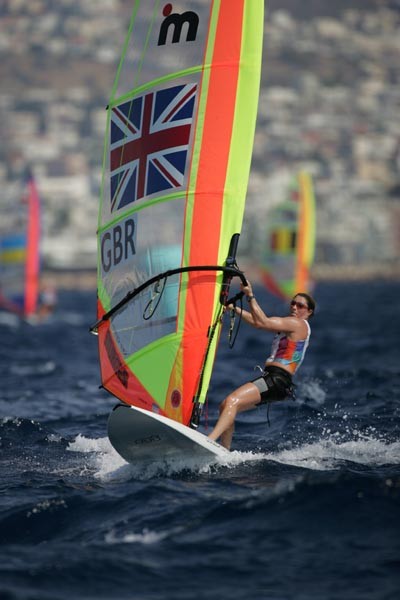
(178, 146)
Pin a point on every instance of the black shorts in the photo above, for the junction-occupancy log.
(274, 384)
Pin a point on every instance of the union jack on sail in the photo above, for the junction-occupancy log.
(149, 142)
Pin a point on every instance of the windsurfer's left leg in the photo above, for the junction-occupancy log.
(244, 398)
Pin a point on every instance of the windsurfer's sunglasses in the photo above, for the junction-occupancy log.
(298, 304)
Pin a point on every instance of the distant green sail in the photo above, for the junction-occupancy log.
(288, 253)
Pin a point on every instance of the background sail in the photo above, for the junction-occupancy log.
(290, 241)
(178, 146)
(20, 250)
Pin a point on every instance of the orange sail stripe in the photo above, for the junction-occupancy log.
(212, 170)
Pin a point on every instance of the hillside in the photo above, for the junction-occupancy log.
(329, 103)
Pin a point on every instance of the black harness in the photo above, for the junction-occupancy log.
(274, 384)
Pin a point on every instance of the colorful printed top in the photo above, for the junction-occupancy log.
(290, 354)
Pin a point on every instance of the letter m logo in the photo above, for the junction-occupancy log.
(186, 22)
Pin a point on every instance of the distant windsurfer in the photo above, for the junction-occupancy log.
(289, 346)
(47, 301)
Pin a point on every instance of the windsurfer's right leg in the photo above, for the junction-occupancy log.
(226, 423)
(244, 398)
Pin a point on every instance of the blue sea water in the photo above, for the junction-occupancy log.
(305, 508)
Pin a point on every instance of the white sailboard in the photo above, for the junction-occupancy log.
(140, 436)
(178, 146)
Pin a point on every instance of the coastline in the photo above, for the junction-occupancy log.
(70, 279)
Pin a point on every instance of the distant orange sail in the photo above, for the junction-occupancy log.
(289, 247)
(32, 267)
(20, 252)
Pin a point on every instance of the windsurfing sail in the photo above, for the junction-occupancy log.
(178, 145)
(20, 251)
(289, 247)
